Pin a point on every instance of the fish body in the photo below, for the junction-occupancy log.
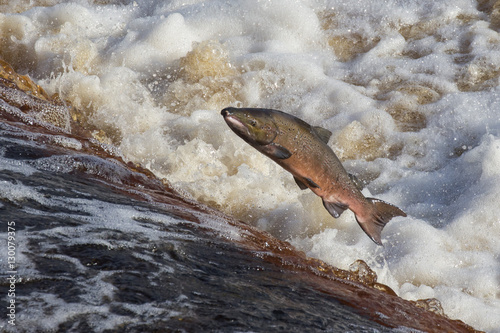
(302, 150)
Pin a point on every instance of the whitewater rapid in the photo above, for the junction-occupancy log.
(409, 89)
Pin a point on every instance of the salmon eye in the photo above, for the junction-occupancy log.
(253, 122)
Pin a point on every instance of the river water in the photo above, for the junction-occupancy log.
(409, 89)
(92, 244)
(92, 259)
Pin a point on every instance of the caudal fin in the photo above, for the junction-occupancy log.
(382, 213)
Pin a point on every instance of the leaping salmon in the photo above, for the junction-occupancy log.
(303, 150)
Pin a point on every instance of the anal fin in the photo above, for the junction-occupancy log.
(334, 208)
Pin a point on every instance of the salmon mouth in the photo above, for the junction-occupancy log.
(236, 124)
(225, 111)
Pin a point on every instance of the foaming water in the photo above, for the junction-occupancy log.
(409, 89)
(103, 245)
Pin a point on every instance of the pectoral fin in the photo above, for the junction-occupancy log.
(334, 208)
(277, 151)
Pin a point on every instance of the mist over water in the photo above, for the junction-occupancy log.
(409, 89)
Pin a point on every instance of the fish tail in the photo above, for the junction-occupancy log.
(381, 213)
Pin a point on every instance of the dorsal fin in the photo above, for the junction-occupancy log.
(322, 133)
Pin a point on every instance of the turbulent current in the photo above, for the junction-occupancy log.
(132, 206)
(96, 245)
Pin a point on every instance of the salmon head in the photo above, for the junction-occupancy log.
(255, 126)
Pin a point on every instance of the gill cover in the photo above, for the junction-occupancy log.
(256, 126)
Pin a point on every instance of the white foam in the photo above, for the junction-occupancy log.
(17, 192)
(15, 166)
(95, 217)
(410, 90)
